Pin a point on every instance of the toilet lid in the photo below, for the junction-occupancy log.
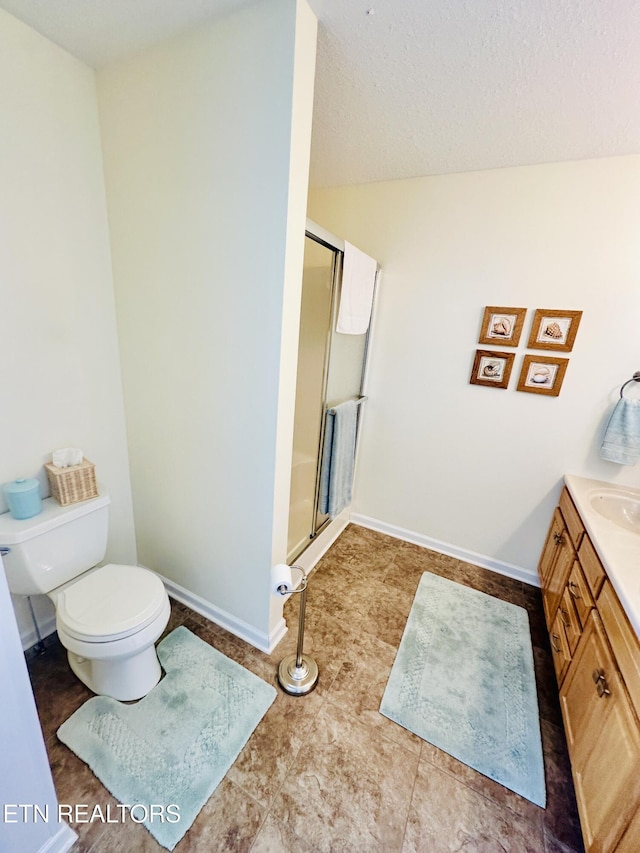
(110, 603)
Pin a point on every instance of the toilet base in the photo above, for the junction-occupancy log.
(124, 679)
(125, 669)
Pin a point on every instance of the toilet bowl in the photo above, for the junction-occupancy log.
(108, 621)
(108, 617)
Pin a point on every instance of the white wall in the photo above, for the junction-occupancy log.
(207, 202)
(481, 468)
(60, 367)
(26, 776)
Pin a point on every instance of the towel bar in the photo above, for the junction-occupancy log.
(359, 400)
(635, 378)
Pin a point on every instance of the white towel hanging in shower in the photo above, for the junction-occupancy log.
(356, 297)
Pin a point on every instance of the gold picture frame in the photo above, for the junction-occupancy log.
(541, 374)
(502, 326)
(492, 369)
(554, 330)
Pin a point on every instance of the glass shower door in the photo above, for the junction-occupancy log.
(330, 371)
(315, 322)
(345, 371)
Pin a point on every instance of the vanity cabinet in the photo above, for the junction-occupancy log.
(603, 739)
(597, 658)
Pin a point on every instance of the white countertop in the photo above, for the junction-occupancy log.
(618, 549)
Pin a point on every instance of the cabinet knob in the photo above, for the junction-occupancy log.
(574, 589)
(565, 617)
(558, 539)
(554, 640)
(602, 688)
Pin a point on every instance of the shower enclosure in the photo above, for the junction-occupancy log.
(331, 369)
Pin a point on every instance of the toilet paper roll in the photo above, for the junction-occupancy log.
(281, 576)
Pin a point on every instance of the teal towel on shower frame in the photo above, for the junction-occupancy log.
(338, 458)
(621, 441)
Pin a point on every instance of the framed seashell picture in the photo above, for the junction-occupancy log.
(555, 330)
(502, 326)
(541, 374)
(492, 368)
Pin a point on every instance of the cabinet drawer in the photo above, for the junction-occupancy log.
(557, 533)
(571, 518)
(554, 586)
(623, 641)
(559, 648)
(591, 566)
(579, 592)
(570, 621)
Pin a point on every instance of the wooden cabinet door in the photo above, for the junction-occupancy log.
(604, 741)
(630, 842)
(559, 647)
(547, 560)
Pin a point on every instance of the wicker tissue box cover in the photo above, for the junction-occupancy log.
(73, 484)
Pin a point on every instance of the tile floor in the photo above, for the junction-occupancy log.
(327, 772)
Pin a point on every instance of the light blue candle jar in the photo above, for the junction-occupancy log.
(23, 497)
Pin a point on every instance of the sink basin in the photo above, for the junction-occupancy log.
(621, 509)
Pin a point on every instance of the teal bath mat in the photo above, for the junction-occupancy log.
(463, 680)
(166, 754)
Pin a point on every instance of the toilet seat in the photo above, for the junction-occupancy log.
(110, 603)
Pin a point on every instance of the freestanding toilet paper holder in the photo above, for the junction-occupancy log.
(298, 674)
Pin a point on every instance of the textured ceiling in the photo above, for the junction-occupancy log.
(425, 87)
(422, 87)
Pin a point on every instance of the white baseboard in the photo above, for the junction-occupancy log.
(502, 568)
(307, 561)
(261, 640)
(63, 840)
(265, 642)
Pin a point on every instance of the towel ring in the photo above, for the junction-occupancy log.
(635, 378)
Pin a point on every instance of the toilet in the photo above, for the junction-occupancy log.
(108, 617)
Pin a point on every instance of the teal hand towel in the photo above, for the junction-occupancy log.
(338, 458)
(621, 441)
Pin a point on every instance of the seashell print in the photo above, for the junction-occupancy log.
(492, 368)
(501, 327)
(541, 375)
(553, 330)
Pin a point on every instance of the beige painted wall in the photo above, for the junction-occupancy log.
(206, 144)
(60, 367)
(481, 468)
(304, 69)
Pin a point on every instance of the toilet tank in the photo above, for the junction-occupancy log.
(54, 546)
